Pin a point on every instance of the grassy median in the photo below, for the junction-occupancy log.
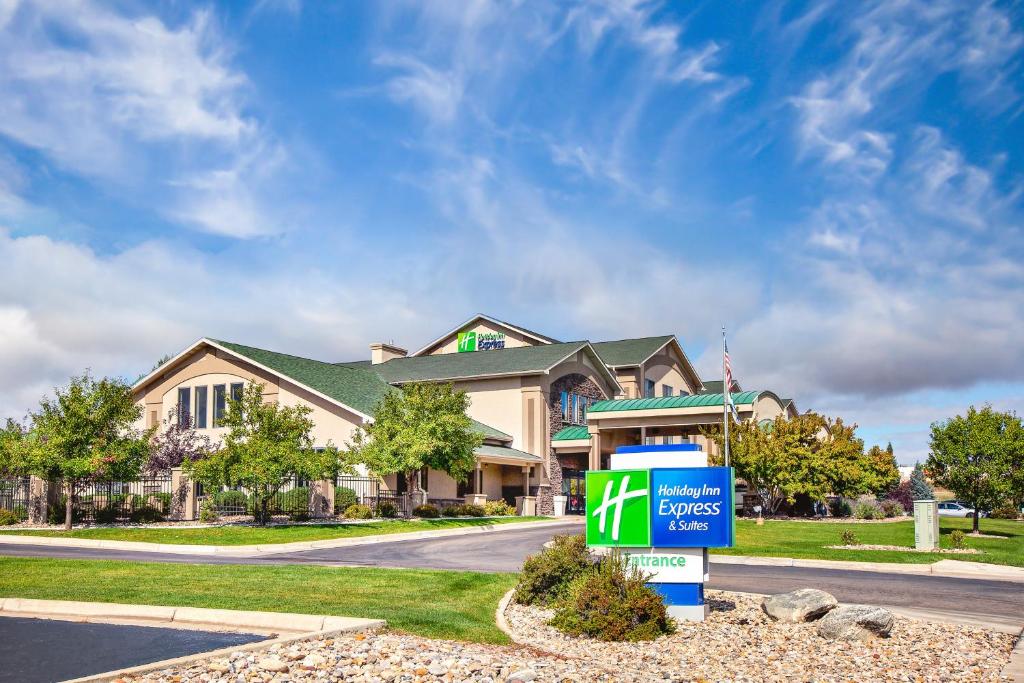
(808, 539)
(435, 604)
(250, 535)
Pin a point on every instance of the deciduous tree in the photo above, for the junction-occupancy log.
(423, 425)
(975, 456)
(178, 442)
(267, 446)
(86, 433)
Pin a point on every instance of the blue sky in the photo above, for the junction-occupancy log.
(840, 184)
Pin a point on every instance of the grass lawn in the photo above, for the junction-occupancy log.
(807, 540)
(248, 535)
(435, 604)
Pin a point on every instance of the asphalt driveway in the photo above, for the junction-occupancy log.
(45, 650)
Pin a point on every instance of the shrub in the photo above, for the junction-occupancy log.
(146, 514)
(294, 503)
(451, 511)
(426, 511)
(1005, 511)
(386, 509)
(958, 539)
(8, 517)
(868, 511)
(901, 494)
(105, 515)
(358, 512)
(55, 513)
(613, 603)
(344, 498)
(162, 500)
(470, 510)
(498, 508)
(848, 537)
(207, 513)
(891, 508)
(546, 577)
(840, 508)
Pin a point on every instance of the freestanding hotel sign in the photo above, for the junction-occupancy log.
(664, 517)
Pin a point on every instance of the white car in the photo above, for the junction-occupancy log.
(954, 509)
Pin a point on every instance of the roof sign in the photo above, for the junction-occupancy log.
(480, 341)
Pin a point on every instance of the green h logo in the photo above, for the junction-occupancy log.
(618, 508)
(467, 341)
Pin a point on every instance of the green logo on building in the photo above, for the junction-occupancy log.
(618, 508)
(467, 341)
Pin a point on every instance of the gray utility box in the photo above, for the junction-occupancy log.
(926, 524)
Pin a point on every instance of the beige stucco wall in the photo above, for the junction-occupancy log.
(331, 424)
(450, 344)
(767, 407)
(497, 402)
(666, 369)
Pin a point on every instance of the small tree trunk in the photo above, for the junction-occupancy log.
(976, 519)
(69, 504)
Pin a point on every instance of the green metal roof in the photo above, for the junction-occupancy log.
(507, 452)
(625, 352)
(353, 384)
(519, 360)
(571, 433)
(693, 401)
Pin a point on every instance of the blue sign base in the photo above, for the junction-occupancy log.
(680, 593)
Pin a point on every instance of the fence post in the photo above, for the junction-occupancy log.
(321, 498)
(183, 496)
(38, 500)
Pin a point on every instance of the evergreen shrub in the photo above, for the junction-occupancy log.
(498, 508)
(546, 576)
(358, 512)
(426, 511)
(344, 497)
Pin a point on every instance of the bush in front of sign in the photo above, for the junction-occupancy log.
(546, 577)
(613, 603)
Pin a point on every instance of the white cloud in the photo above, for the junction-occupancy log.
(436, 94)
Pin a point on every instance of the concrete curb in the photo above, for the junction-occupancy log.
(268, 549)
(499, 614)
(961, 570)
(1014, 669)
(183, 617)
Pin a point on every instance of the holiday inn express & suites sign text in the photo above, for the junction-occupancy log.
(480, 341)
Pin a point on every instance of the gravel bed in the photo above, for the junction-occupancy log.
(738, 642)
(905, 549)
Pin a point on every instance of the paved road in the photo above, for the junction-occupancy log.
(505, 551)
(27, 647)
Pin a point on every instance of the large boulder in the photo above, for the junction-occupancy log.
(856, 622)
(804, 604)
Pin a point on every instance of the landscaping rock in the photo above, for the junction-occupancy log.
(856, 622)
(522, 676)
(804, 604)
(272, 664)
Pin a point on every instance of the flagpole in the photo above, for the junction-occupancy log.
(725, 400)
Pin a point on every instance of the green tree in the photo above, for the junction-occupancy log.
(86, 433)
(920, 489)
(884, 470)
(807, 454)
(975, 456)
(14, 440)
(267, 446)
(423, 425)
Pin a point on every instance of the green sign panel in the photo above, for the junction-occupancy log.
(619, 508)
(467, 341)
(480, 341)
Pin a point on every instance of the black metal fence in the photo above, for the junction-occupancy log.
(350, 490)
(291, 500)
(148, 499)
(14, 497)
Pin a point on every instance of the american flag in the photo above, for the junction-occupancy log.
(727, 377)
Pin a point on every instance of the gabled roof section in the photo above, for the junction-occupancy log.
(355, 387)
(521, 360)
(506, 455)
(542, 338)
(630, 352)
(714, 386)
(693, 401)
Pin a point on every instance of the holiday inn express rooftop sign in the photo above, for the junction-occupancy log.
(480, 341)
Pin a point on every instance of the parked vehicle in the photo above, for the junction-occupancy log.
(953, 508)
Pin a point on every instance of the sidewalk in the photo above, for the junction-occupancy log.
(947, 568)
(268, 549)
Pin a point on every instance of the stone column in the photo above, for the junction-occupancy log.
(321, 498)
(184, 503)
(38, 503)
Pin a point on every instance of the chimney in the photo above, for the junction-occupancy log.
(382, 353)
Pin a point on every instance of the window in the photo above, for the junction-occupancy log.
(566, 410)
(184, 403)
(236, 391)
(666, 390)
(574, 408)
(682, 392)
(201, 407)
(649, 388)
(219, 404)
